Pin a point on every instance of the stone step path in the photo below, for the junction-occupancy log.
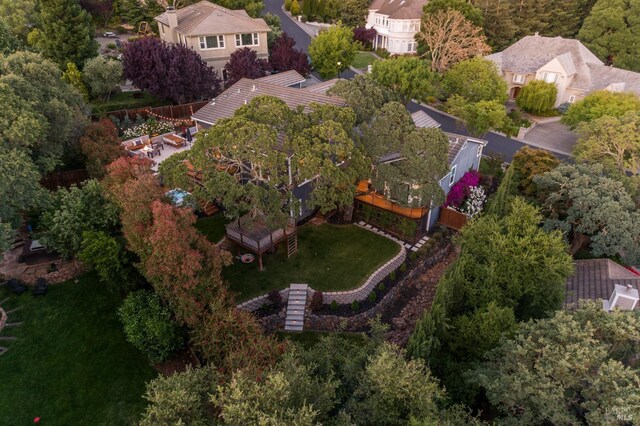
(13, 310)
(296, 306)
(3, 350)
(415, 247)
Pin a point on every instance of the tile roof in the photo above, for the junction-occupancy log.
(206, 18)
(595, 279)
(226, 104)
(399, 9)
(603, 76)
(285, 79)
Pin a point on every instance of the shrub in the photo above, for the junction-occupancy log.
(334, 305)
(392, 276)
(381, 286)
(316, 301)
(111, 46)
(287, 5)
(413, 256)
(355, 305)
(149, 325)
(275, 297)
(295, 8)
(460, 191)
(403, 267)
(151, 127)
(373, 296)
(437, 236)
(563, 108)
(537, 96)
(121, 30)
(383, 53)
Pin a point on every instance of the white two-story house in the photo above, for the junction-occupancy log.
(396, 23)
(213, 31)
(567, 63)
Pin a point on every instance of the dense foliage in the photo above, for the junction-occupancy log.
(363, 94)
(600, 103)
(475, 79)
(101, 146)
(102, 76)
(284, 57)
(244, 63)
(149, 326)
(332, 51)
(537, 96)
(574, 368)
(407, 76)
(64, 32)
(169, 71)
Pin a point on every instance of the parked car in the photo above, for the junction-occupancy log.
(110, 34)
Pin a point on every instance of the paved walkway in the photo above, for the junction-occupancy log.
(413, 247)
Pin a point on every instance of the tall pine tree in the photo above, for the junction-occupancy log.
(65, 33)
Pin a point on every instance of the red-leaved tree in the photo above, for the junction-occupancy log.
(169, 71)
(364, 36)
(101, 145)
(285, 57)
(244, 63)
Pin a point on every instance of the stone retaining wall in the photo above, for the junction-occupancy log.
(343, 297)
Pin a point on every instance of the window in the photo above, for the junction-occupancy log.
(250, 39)
(452, 177)
(572, 99)
(550, 77)
(518, 78)
(212, 42)
(161, 28)
(411, 47)
(479, 151)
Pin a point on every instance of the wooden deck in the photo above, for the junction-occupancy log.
(369, 197)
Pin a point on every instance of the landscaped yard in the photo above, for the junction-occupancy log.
(127, 100)
(329, 258)
(309, 338)
(213, 227)
(362, 59)
(70, 364)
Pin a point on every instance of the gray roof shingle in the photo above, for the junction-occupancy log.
(206, 18)
(399, 9)
(226, 104)
(284, 79)
(595, 279)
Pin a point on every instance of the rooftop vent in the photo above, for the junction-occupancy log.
(623, 297)
(254, 88)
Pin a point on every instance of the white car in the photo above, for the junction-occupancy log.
(109, 34)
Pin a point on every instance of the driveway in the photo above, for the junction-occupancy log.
(553, 136)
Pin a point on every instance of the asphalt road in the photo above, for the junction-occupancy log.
(496, 143)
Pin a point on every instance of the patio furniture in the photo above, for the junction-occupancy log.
(174, 140)
(16, 287)
(40, 288)
(136, 145)
(157, 144)
(148, 151)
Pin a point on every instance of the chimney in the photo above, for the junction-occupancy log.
(172, 17)
(253, 89)
(623, 297)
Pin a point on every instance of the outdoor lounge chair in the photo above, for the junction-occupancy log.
(16, 286)
(40, 288)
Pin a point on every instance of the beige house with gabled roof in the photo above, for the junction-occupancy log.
(567, 63)
(213, 31)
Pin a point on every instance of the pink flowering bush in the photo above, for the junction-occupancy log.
(461, 190)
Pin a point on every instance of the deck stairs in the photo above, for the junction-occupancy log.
(296, 306)
(292, 244)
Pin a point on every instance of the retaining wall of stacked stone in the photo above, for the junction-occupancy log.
(255, 303)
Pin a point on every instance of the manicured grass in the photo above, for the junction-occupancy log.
(212, 227)
(362, 59)
(329, 258)
(309, 338)
(70, 364)
(127, 100)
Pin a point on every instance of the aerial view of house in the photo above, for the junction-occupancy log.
(319, 212)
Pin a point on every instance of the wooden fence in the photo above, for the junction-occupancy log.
(452, 219)
(64, 179)
(173, 112)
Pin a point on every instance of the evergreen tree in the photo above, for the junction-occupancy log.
(8, 42)
(612, 32)
(66, 33)
(73, 76)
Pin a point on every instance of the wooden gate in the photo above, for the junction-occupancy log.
(452, 219)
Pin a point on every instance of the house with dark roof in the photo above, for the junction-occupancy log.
(396, 23)
(464, 155)
(604, 280)
(567, 63)
(213, 31)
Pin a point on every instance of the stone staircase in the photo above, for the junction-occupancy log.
(296, 306)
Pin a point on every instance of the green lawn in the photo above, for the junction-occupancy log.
(212, 227)
(362, 59)
(329, 258)
(70, 364)
(126, 100)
